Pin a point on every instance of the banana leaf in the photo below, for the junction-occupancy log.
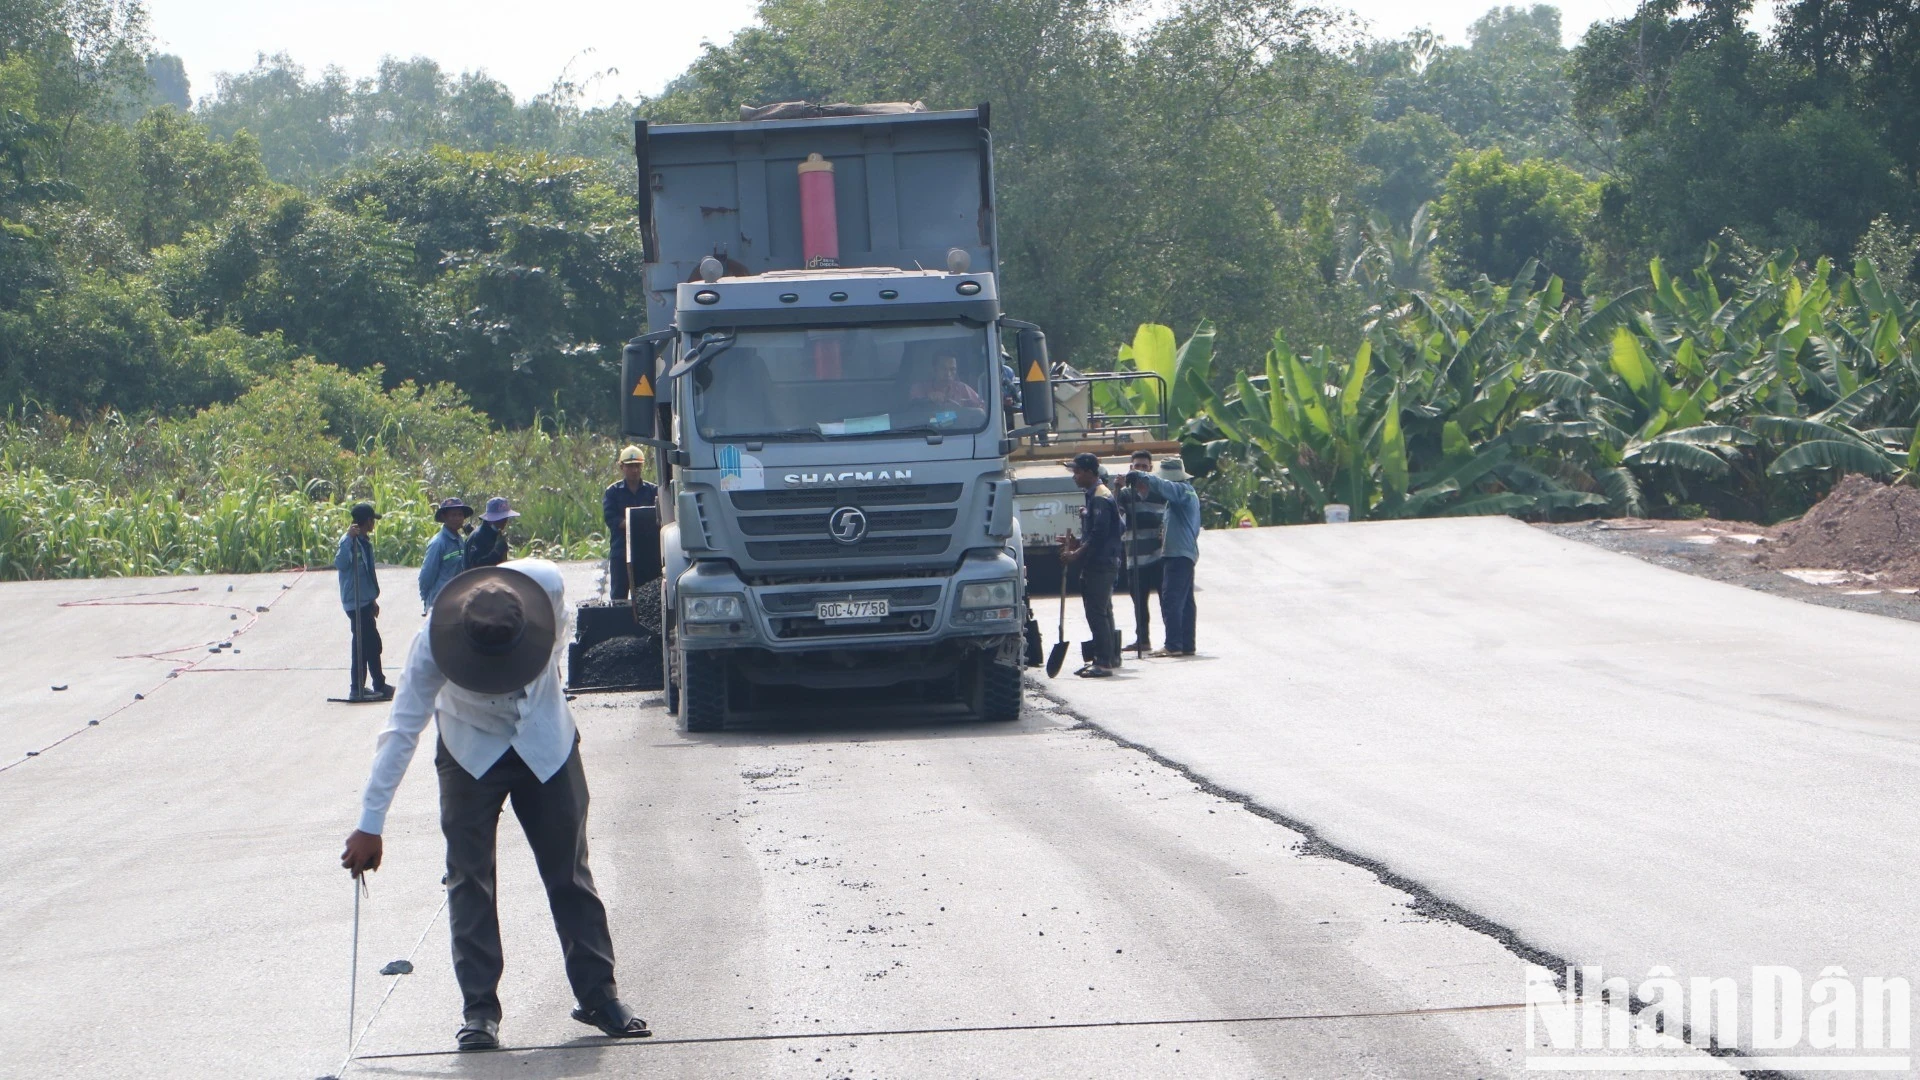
(1279, 415)
(1623, 491)
(1847, 456)
(1195, 358)
(1393, 452)
(1679, 455)
(1307, 395)
(1356, 381)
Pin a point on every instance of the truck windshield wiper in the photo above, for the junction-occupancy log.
(811, 431)
(710, 346)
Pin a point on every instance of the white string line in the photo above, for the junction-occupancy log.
(391, 987)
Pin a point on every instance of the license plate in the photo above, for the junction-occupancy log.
(845, 610)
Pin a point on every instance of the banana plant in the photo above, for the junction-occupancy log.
(1747, 396)
(1153, 350)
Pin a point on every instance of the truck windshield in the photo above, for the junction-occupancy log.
(837, 382)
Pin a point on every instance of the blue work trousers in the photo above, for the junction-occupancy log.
(1177, 612)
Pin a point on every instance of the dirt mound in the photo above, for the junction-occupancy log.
(1863, 526)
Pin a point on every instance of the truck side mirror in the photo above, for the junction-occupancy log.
(1036, 390)
(638, 419)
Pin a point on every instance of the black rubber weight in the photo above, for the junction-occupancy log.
(703, 680)
(1000, 691)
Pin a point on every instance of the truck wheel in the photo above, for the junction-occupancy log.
(1000, 691)
(703, 686)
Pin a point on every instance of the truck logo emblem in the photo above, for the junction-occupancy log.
(847, 525)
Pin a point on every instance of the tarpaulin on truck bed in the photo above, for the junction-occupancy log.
(807, 110)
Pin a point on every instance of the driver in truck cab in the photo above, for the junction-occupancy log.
(945, 386)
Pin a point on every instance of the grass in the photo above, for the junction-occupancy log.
(265, 482)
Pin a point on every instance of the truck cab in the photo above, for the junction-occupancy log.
(831, 418)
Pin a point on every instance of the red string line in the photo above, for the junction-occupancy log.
(123, 601)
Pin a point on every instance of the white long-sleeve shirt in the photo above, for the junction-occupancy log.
(478, 730)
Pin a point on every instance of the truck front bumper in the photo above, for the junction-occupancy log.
(783, 619)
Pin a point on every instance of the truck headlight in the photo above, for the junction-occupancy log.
(984, 594)
(712, 608)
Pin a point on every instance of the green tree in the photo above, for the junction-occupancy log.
(181, 177)
(338, 284)
(1182, 168)
(1508, 86)
(531, 262)
(1410, 156)
(1796, 143)
(312, 129)
(1497, 217)
(300, 124)
(95, 341)
(168, 77)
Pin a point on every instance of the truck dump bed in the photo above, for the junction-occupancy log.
(908, 187)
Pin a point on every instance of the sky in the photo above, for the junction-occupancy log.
(527, 46)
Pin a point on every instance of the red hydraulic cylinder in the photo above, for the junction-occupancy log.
(820, 245)
(819, 221)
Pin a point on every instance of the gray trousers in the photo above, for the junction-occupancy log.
(554, 817)
(1096, 596)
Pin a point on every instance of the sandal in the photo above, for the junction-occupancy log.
(613, 1018)
(481, 1034)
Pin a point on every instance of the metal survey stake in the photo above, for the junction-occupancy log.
(353, 972)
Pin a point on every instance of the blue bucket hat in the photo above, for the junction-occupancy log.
(499, 510)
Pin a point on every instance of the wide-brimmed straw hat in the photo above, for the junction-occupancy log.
(492, 630)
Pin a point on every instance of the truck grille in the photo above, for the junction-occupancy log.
(791, 526)
(890, 521)
(828, 498)
(871, 547)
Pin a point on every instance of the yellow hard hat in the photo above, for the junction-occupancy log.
(631, 453)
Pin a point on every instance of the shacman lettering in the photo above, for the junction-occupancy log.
(868, 475)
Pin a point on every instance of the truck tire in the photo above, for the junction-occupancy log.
(1001, 689)
(703, 690)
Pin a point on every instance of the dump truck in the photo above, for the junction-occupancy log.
(832, 402)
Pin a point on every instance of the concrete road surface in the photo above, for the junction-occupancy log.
(899, 900)
(1616, 763)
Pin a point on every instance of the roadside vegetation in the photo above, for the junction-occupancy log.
(1674, 399)
(1669, 270)
(265, 482)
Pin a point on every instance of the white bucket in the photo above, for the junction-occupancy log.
(1337, 514)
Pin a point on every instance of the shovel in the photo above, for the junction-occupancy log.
(1057, 656)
